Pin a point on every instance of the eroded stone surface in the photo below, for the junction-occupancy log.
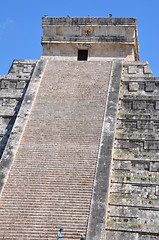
(134, 199)
(12, 91)
(101, 37)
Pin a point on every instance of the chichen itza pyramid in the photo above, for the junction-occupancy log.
(80, 136)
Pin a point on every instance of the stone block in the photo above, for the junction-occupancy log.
(149, 217)
(20, 84)
(122, 165)
(5, 84)
(147, 237)
(130, 124)
(4, 121)
(147, 70)
(133, 87)
(141, 85)
(27, 69)
(2, 130)
(132, 69)
(148, 125)
(6, 111)
(126, 104)
(151, 145)
(157, 105)
(150, 86)
(12, 85)
(120, 189)
(157, 190)
(9, 102)
(140, 70)
(139, 105)
(154, 166)
(10, 93)
(143, 196)
(116, 235)
(123, 211)
(141, 166)
(129, 144)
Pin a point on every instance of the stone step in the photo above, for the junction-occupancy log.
(50, 184)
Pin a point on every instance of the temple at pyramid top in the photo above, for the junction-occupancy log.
(90, 38)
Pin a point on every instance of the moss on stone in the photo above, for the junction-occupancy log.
(110, 222)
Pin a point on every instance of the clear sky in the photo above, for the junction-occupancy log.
(21, 20)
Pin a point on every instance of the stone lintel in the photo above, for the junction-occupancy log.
(51, 41)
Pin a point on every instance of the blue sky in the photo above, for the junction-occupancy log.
(21, 31)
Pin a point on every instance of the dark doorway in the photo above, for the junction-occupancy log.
(82, 55)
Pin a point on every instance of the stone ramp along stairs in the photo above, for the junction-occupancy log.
(51, 179)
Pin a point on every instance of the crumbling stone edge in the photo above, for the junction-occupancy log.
(97, 218)
(20, 123)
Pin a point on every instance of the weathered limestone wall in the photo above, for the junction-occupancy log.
(93, 33)
(12, 91)
(133, 210)
(105, 37)
(63, 51)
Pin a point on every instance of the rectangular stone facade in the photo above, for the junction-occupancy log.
(103, 38)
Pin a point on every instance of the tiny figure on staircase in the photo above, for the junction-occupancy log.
(59, 234)
(82, 237)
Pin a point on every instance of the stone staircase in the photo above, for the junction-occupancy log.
(51, 179)
(133, 210)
